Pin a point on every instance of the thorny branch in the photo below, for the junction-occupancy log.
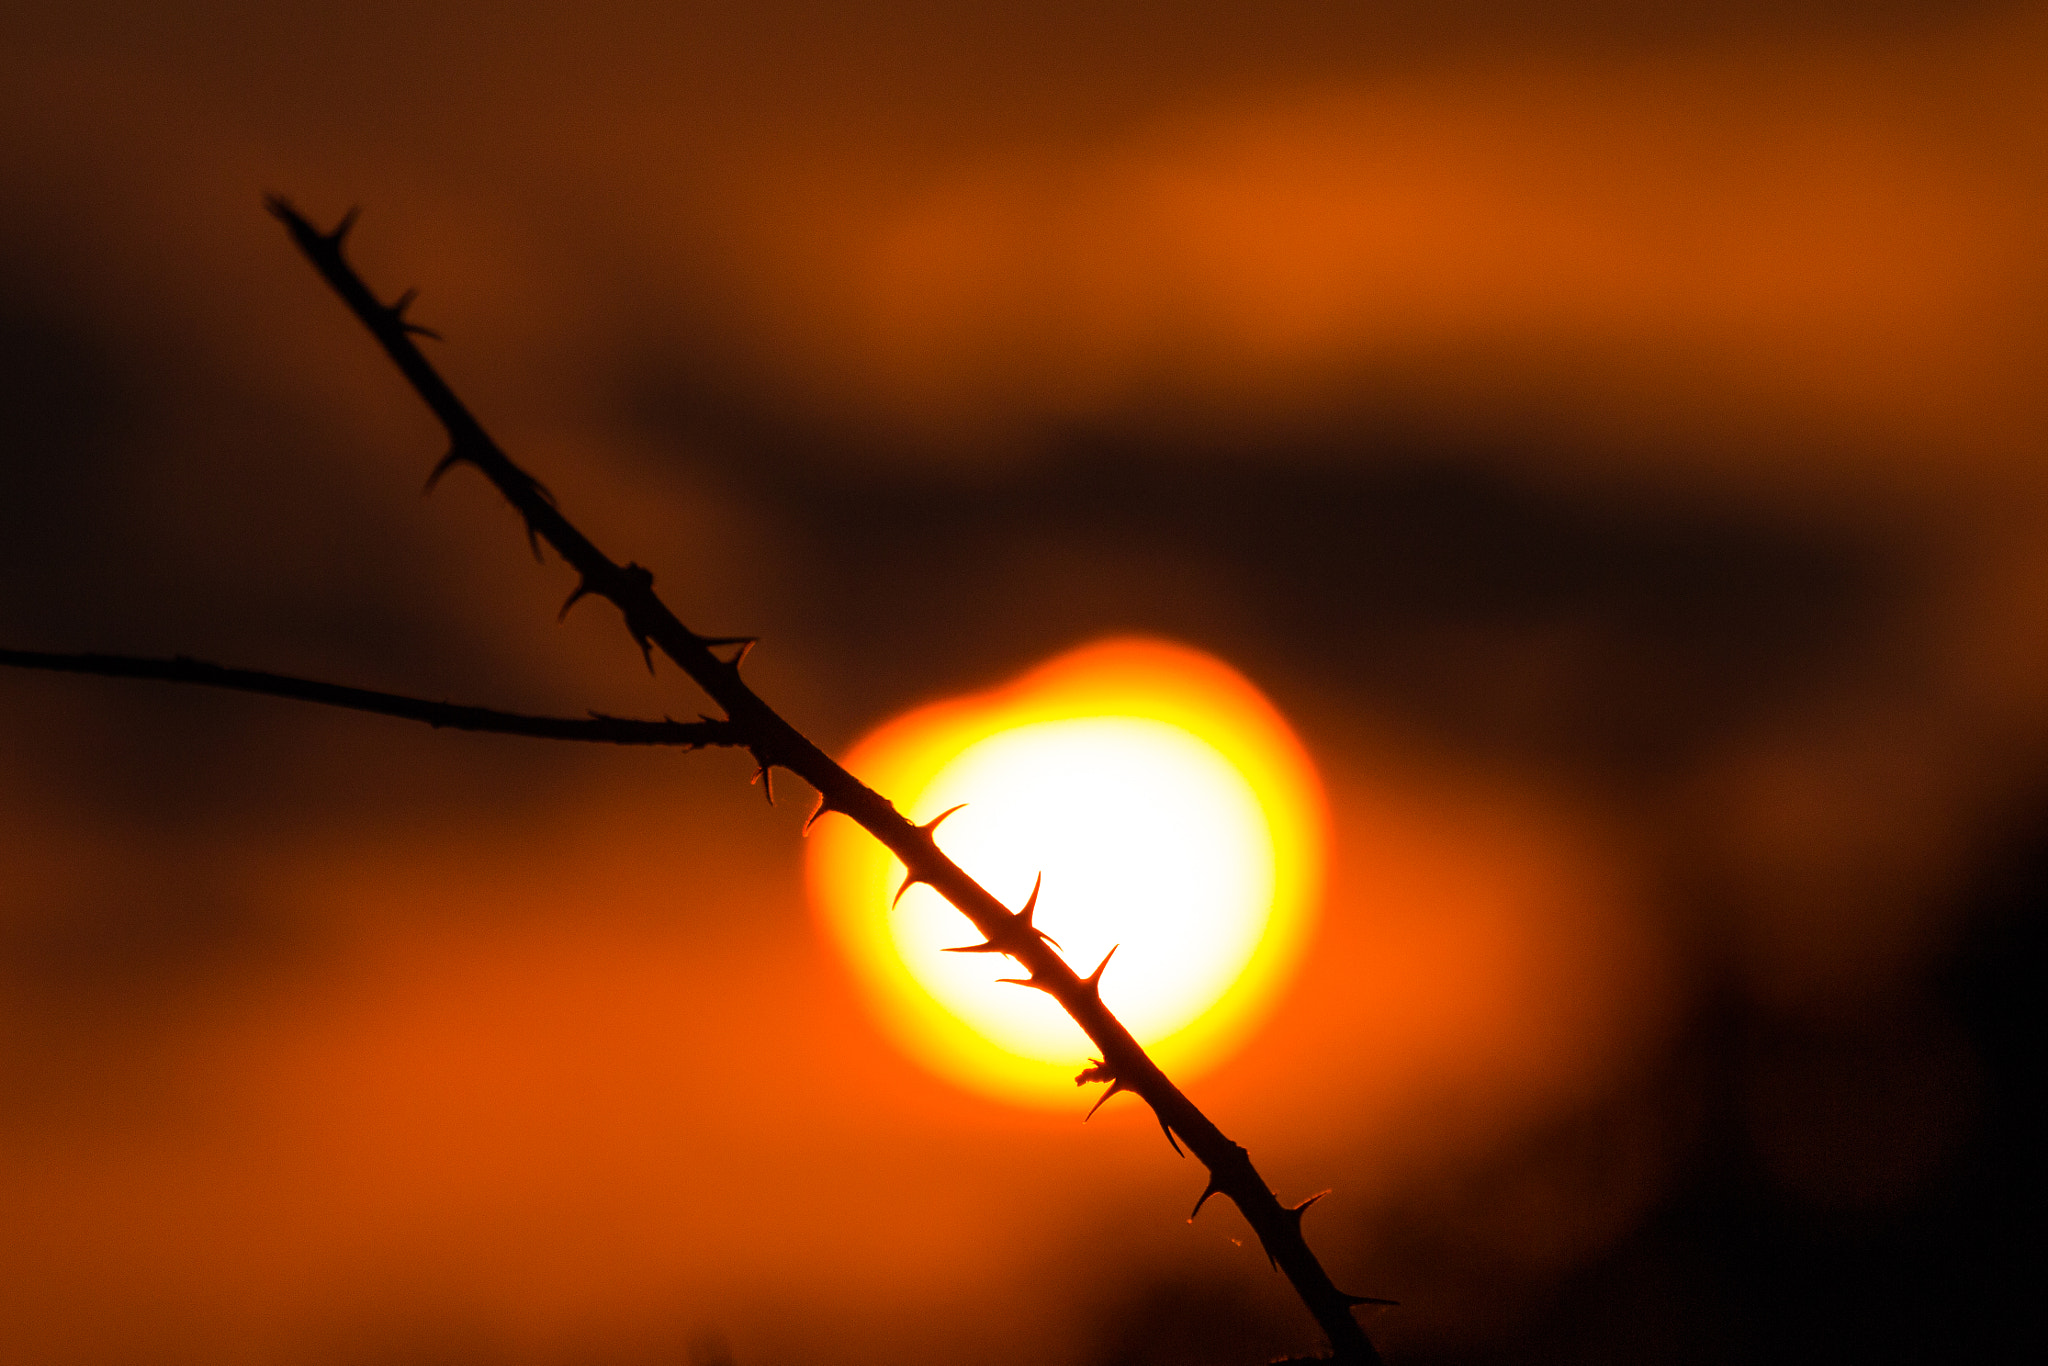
(774, 743)
(596, 728)
(753, 725)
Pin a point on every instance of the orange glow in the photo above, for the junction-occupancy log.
(1172, 813)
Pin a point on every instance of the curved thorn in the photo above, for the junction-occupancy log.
(1093, 981)
(583, 590)
(1211, 1189)
(342, 229)
(448, 462)
(1298, 1210)
(933, 824)
(745, 643)
(1114, 1087)
(824, 805)
(1024, 982)
(910, 880)
(985, 946)
(1030, 905)
(1367, 1299)
(1167, 1129)
(414, 329)
(533, 540)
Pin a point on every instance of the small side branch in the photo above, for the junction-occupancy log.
(603, 730)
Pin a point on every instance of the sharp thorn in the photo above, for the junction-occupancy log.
(347, 223)
(1298, 1210)
(1030, 905)
(1103, 1099)
(414, 329)
(448, 462)
(646, 652)
(533, 540)
(1167, 1129)
(1367, 1299)
(1211, 1189)
(1024, 982)
(583, 590)
(986, 946)
(745, 643)
(910, 880)
(824, 805)
(1093, 981)
(396, 308)
(933, 823)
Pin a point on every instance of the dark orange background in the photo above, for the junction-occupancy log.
(1613, 436)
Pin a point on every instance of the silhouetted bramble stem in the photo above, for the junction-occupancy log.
(774, 743)
(597, 729)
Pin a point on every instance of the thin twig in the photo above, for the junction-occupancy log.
(774, 743)
(598, 729)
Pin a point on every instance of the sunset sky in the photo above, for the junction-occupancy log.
(1613, 440)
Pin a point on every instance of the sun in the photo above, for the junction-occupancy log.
(1163, 808)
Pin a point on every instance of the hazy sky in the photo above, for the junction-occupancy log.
(1612, 436)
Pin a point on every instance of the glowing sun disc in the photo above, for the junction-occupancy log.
(1171, 813)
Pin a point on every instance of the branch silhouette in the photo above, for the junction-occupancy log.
(597, 728)
(750, 723)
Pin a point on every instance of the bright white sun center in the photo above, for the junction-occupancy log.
(1148, 839)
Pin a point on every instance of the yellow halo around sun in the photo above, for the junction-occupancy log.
(1172, 814)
